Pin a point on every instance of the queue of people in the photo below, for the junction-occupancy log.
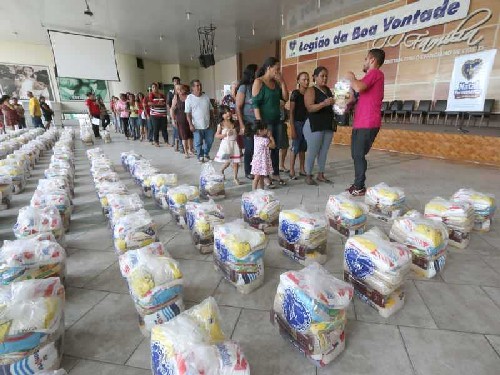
(12, 113)
(252, 122)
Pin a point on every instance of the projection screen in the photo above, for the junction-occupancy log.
(83, 56)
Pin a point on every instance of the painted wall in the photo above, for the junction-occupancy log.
(214, 78)
(259, 54)
(410, 79)
(132, 78)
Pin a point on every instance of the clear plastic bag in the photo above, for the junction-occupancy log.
(178, 197)
(160, 184)
(155, 284)
(457, 216)
(342, 94)
(302, 236)
(134, 231)
(32, 221)
(345, 215)
(32, 314)
(5, 191)
(122, 204)
(211, 182)
(385, 202)
(202, 218)
(32, 258)
(261, 210)
(309, 309)
(239, 255)
(484, 207)
(193, 342)
(426, 238)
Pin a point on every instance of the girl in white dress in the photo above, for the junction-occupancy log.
(229, 150)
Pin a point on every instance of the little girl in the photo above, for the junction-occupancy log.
(229, 150)
(262, 167)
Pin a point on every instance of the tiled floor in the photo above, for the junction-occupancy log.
(449, 325)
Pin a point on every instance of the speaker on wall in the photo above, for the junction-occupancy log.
(207, 60)
(140, 63)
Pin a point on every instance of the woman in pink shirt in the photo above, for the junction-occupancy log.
(123, 108)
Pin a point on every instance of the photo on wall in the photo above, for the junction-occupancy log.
(17, 79)
(76, 89)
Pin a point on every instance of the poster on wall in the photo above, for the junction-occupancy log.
(76, 89)
(16, 80)
(469, 81)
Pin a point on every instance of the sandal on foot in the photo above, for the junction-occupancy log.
(310, 181)
(302, 174)
(294, 178)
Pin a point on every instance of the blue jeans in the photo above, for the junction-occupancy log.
(203, 139)
(37, 121)
(176, 138)
(149, 128)
(318, 144)
(135, 127)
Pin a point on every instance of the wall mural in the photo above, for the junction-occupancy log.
(76, 89)
(16, 80)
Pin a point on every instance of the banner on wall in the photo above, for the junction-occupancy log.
(415, 16)
(469, 81)
(16, 80)
(76, 89)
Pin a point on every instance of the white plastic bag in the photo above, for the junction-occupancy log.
(211, 182)
(35, 220)
(202, 218)
(484, 207)
(385, 202)
(345, 215)
(134, 231)
(341, 93)
(178, 197)
(261, 210)
(160, 184)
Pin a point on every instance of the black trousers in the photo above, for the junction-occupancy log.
(124, 121)
(95, 128)
(105, 121)
(248, 154)
(361, 143)
(159, 124)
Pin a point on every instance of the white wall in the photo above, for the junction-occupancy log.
(214, 78)
(132, 78)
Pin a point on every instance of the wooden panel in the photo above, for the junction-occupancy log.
(414, 91)
(393, 5)
(389, 93)
(308, 67)
(458, 147)
(332, 64)
(352, 62)
(390, 70)
(441, 90)
(289, 73)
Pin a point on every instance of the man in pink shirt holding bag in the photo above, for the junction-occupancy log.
(367, 116)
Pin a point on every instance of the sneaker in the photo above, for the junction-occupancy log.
(207, 158)
(355, 191)
(201, 160)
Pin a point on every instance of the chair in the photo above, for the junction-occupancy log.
(424, 106)
(455, 114)
(406, 109)
(385, 106)
(395, 105)
(488, 107)
(438, 110)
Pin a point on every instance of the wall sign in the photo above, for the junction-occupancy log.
(469, 81)
(415, 16)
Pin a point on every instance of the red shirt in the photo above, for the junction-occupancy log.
(93, 107)
(367, 114)
(159, 107)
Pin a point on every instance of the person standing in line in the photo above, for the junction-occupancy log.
(177, 143)
(246, 115)
(199, 111)
(319, 127)
(94, 113)
(229, 151)
(298, 116)
(261, 161)
(367, 116)
(158, 110)
(123, 110)
(267, 92)
(9, 113)
(133, 120)
(105, 120)
(20, 113)
(116, 118)
(284, 141)
(147, 113)
(180, 121)
(142, 115)
(48, 113)
(35, 110)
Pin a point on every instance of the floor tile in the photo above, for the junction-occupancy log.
(453, 353)
(495, 342)
(83, 266)
(68, 362)
(99, 368)
(109, 332)
(79, 302)
(99, 239)
(463, 308)
(469, 269)
(142, 355)
(493, 293)
(110, 280)
(371, 349)
(200, 279)
(181, 246)
(261, 298)
(414, 312)
(274, 257)
(266, 351)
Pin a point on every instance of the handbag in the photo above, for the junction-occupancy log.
(95, 121)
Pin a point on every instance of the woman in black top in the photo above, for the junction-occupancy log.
(319, 127)
(298, 116)
(47, 112)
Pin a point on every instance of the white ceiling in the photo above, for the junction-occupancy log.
(137, 24)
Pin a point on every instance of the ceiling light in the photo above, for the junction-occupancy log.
(87, 11)
(192, 58)
(145, 51)
(282, 20)
(15, 33)
(188, 15)
(161, 37)
(253, 30)
(319, 4)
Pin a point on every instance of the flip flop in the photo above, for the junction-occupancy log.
(294, 178)
(284, 170)
(311, 182)
(302, 174)
(325, 180)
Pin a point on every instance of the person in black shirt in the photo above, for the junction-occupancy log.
(47, 112)
(298, 116)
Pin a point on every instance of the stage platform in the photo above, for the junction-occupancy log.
(481, 145)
